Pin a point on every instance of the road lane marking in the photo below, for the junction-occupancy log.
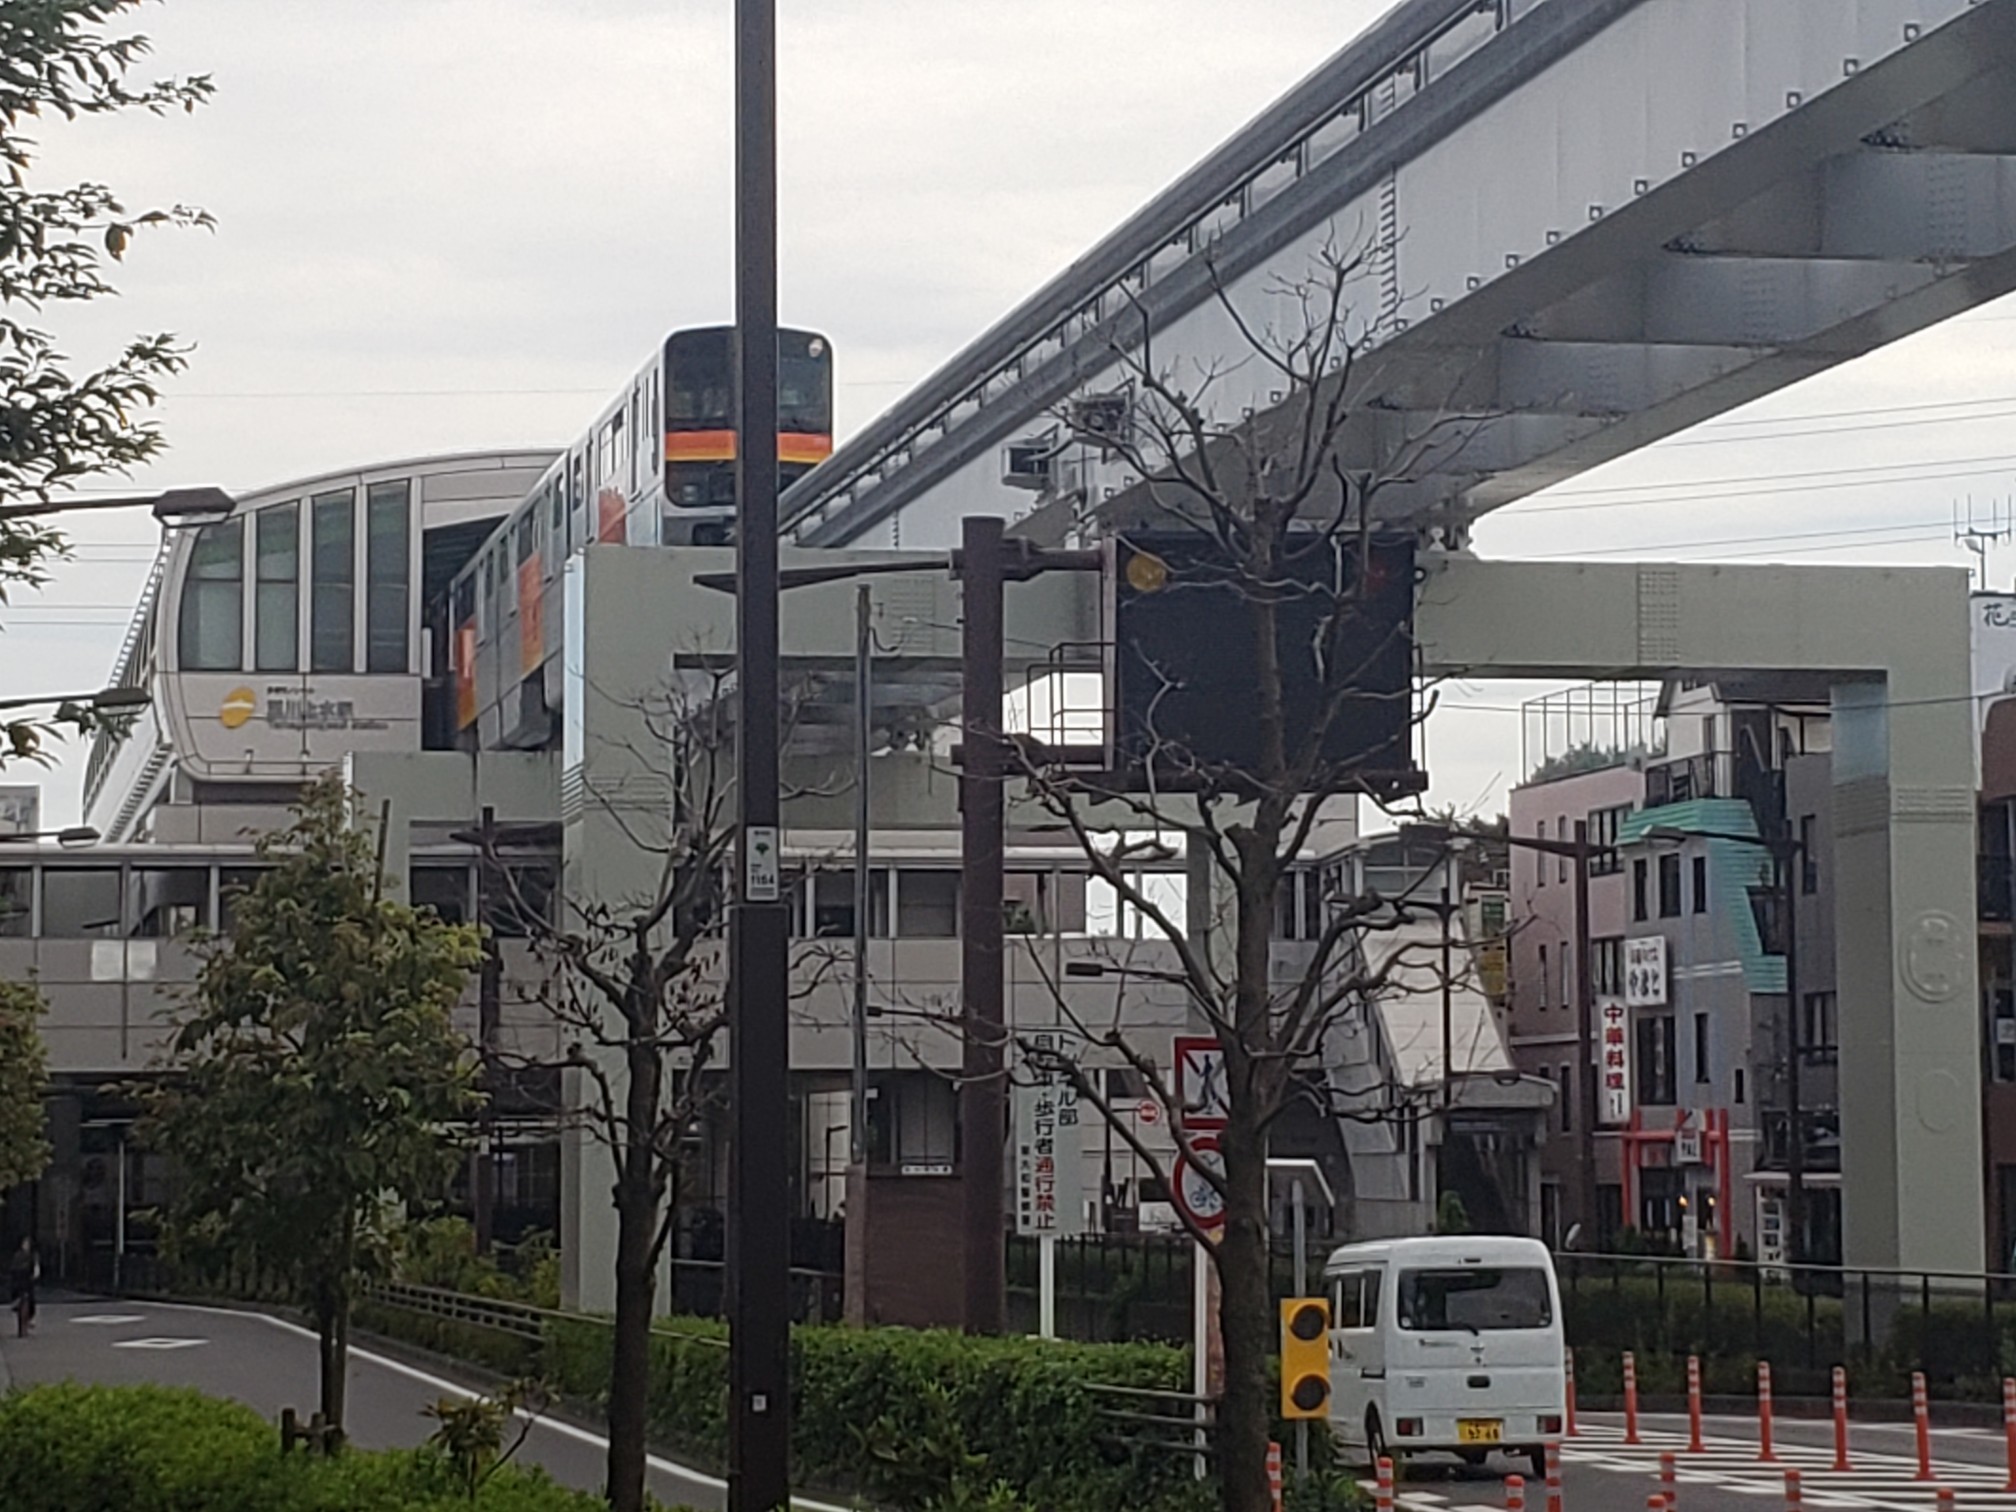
(441, 1383)
(110, 1319)
(160, 1343)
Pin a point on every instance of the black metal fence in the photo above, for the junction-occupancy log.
(1956, 1328)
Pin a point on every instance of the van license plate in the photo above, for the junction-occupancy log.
(1479, 1430)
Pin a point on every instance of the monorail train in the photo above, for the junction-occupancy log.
(656, 468)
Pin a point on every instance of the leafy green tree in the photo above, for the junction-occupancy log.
(24, 1150)
(316, 1080)
(58, 427)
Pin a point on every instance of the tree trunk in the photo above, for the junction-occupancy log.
(636, 1224)
(332, 1331)
(1245, 1417)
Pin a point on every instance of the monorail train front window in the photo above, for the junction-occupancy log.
(211, 635)
(700, 389)
(804, 384)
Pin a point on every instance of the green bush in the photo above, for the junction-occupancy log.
(153, 1449)
(918, 1419)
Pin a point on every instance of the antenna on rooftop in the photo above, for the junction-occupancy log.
(1976, 534)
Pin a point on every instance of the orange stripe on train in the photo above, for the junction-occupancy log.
(719, 446)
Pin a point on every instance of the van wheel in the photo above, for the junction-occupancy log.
(1536, 1458)
(1375, 1441)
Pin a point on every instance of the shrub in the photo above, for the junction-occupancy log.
(154, 1449)
(918, 1419)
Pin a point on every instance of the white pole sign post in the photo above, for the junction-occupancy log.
(1049, 1173)
(1202, 1106)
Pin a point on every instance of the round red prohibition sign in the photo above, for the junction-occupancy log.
(1195, 1197)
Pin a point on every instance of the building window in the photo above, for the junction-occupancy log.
(1817, 1028)
(1562, 862)
(1540, 857)
(518, 900)
(1639, 876)
(1567, 1098)
(1567, 976)
(1606, 962)
(333, 604)
(1669, 887)
(212, 630)
(927, 905)
(1604, 828)
(1740, 1089)
(1809, 858)
(443, 887)
(1655, 1060)
(17, 908)
(81, 902)
(276, 604)
(387, 572)
(1702, 1074)
(170, 900)
(1700, 884)
(1546, 979)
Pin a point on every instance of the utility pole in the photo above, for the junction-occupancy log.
(1585, 1038)
(982, 1094)
(489, 994)
(864, 734)
(759, 1170)
(1790, 857)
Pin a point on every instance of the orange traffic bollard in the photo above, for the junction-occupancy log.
(1840, 1420)
(1669, 1479)
(1694, 1404)
(1921, 1414)
(1274, 1474)
(1515, 1493)
(1943, 1499)
(1568, 1373)
(1764, 1453)
(1630, 1397)
(2009, 1428)
(1553, 1476)
(1382, 1498)
(1794, 1500)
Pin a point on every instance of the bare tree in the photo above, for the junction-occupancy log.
(634, 987)
(1256, 525)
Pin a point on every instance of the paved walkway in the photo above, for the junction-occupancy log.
(268, 1363)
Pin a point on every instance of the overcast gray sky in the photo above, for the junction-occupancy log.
(452, 223)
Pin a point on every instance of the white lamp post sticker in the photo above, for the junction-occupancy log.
(765, 876)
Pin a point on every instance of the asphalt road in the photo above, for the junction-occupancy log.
(269, 1364)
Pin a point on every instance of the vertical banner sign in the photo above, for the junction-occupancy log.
(1645, 972)
(1613, 1062)
(1049, 1164)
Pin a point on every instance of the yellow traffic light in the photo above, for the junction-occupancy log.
(1305, 1357)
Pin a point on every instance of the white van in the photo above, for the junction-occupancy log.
(1446, 1345)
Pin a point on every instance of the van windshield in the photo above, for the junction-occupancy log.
(1475, 1298)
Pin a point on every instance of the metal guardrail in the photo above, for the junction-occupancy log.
(1133, 1421)
(522, 1319)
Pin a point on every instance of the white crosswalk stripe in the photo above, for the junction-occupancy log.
(1881, 1480)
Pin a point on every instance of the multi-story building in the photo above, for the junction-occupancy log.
(1689, 971)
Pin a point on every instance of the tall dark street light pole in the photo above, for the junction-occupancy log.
(759, 1228)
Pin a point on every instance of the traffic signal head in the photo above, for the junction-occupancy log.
(1305, 1357)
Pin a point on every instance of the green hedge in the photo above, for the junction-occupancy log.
(916, 1419)
(154, 1449)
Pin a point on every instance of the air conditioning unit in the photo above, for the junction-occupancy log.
(1027, 463)
(1102, 417)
